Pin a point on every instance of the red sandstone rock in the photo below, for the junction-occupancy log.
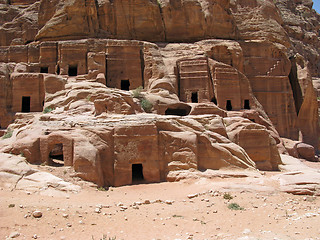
(306, 151)
(251, 89)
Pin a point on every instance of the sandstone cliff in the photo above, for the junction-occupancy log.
(152, 87)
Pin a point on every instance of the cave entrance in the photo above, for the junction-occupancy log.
(125, 84)
(214, 100)
(178, 112)
(25, 107)
(229, 105)
(56, 155)
(246, 104)
(73, 70)
(44, 69)
(137, 173)
(194, 97)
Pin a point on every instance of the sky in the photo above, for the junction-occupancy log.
(316, 5)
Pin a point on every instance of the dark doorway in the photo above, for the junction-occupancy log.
(56, 155)
(73, 71)
(178, 112)
(44, 69)
(214, 100)
(25, 104)
(58, 70)
(246, 104)
(137, 173)
(194, 97)
(125, 84)
(229, 105)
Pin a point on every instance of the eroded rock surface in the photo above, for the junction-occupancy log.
(143, 90)
(16, 174)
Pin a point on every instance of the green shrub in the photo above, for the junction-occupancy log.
(102, 189)
(8, 134)
(146, 105)
(47, 110)
(227, 196)
(137, 92)
(234, 206)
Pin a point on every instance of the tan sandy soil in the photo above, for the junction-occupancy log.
(267, 213)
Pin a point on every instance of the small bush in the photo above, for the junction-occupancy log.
(105, 237)
(47, 110)
(8, 134)
(137, 92)
(102, 189)
(146, 105)
(234, 206)
(227, 196)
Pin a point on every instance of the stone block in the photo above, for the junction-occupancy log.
(124, 66)
(18, 54)
(28, 92)
(135, 145)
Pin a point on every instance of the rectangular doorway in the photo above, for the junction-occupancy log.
(44, 69)
(25, 106)
(137, 173)
(73, 70)
(125, 85)
(194, 97)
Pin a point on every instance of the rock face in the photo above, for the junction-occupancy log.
(15, 173)
(122, 145)
(149, 20)
(301, 22)
(126, 91)
(298, 178)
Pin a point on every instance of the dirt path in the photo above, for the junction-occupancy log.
(125, 212)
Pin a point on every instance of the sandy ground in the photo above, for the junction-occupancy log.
(125, 212)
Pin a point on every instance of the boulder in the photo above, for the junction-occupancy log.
(307, 152)
(291, 147)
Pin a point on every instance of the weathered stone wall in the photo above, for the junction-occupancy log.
(108, 152)
(124, 66)
(26, 85)
(268, 72)
(195, 84)
(136, 145)
(128, 65)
